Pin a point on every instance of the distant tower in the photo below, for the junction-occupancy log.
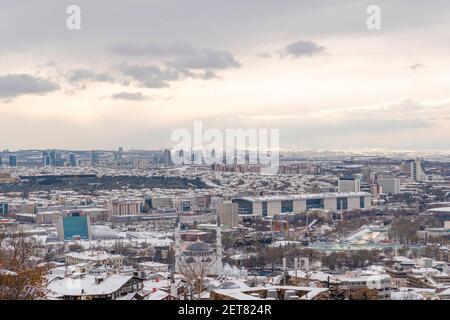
(94, 158)
(417, 173)
(177, 246)
(45, 158)
(219, 265)
(118, 155)
(12, 161)
(167, 158)
(72, 160)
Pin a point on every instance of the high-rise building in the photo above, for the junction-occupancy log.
(118, 155)
(51, 158)
(167, 158)
(94, 158)
(349, 185)
(196, 156)
(390, 186)
(417, 173)
(120, 207)
(375, 190)
(46, 161)
(12, 161)
(58, 159)
(74, 225)
(72, 160)
(405, 168)
(140, 163)
(228, 213)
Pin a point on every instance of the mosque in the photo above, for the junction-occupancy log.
(198, 255)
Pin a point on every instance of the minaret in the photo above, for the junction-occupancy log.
(219, 266)
(177, 246)
(173, 288)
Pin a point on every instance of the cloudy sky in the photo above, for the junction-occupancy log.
(137, 70)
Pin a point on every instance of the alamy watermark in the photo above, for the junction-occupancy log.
(373, 21)
(73, 22)
(231, 146)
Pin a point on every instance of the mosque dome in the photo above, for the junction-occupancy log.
(198, 247)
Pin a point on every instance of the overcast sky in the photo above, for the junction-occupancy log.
(137, 70)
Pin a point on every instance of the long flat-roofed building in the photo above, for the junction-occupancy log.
(130, 206)
(94, 257)
(268, 206)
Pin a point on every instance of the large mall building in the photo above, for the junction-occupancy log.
(268, 206)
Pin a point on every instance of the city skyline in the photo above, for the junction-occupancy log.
(239, 154)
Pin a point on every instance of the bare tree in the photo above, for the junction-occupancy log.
(404, 230)
(195, 273)
(20, 279)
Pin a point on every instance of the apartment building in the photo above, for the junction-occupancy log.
(94, 257)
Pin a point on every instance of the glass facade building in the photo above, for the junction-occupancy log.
(267, 206)
(76, 226)
(12, 161)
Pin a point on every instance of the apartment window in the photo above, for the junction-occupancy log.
(287, 206)
(342, 203)
(314, 204)
(264, 208)
(245, 207)
(361, 202)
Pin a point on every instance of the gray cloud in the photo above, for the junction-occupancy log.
(149, 76)
(133, 96)
(14, 85)
(181, 59)
(263, 55)
(368, 126)
(207, 75)
(303, 48)
(207, 24)
(201, 23)
(206, 59)
(417, 66)
(153, 76)
(180, 56)
(150, 49)
(89, 75)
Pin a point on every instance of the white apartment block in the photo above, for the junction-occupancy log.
(349, 185)
(390, 186)
(94, 257)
